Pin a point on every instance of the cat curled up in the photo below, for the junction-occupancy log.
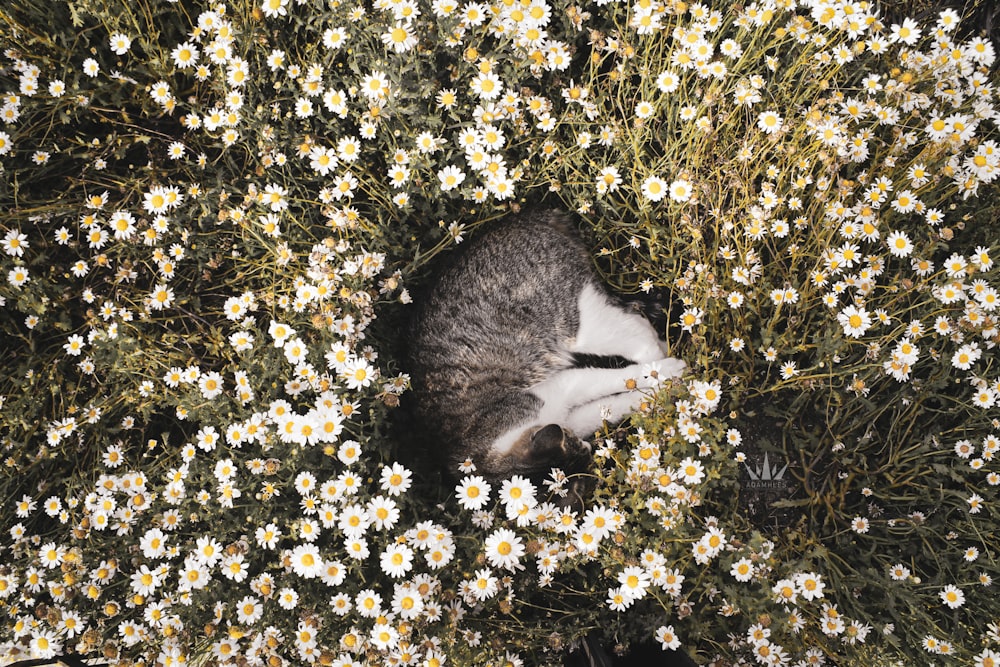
(494, 346)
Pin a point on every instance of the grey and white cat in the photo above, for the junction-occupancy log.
(494, 344)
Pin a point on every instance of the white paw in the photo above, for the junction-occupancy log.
(671, 367)
(651, 351)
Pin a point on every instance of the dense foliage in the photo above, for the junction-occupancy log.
(212, 217)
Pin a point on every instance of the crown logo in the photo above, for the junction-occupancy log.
(766, 472)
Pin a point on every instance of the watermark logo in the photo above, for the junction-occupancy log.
(766, 475)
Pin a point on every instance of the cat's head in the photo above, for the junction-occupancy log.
(540, 449)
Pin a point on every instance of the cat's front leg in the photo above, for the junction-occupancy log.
(584, 420)
(608, 329)
(589, 396)
(573, 387)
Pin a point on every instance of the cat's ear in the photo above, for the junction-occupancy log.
(548, 441)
